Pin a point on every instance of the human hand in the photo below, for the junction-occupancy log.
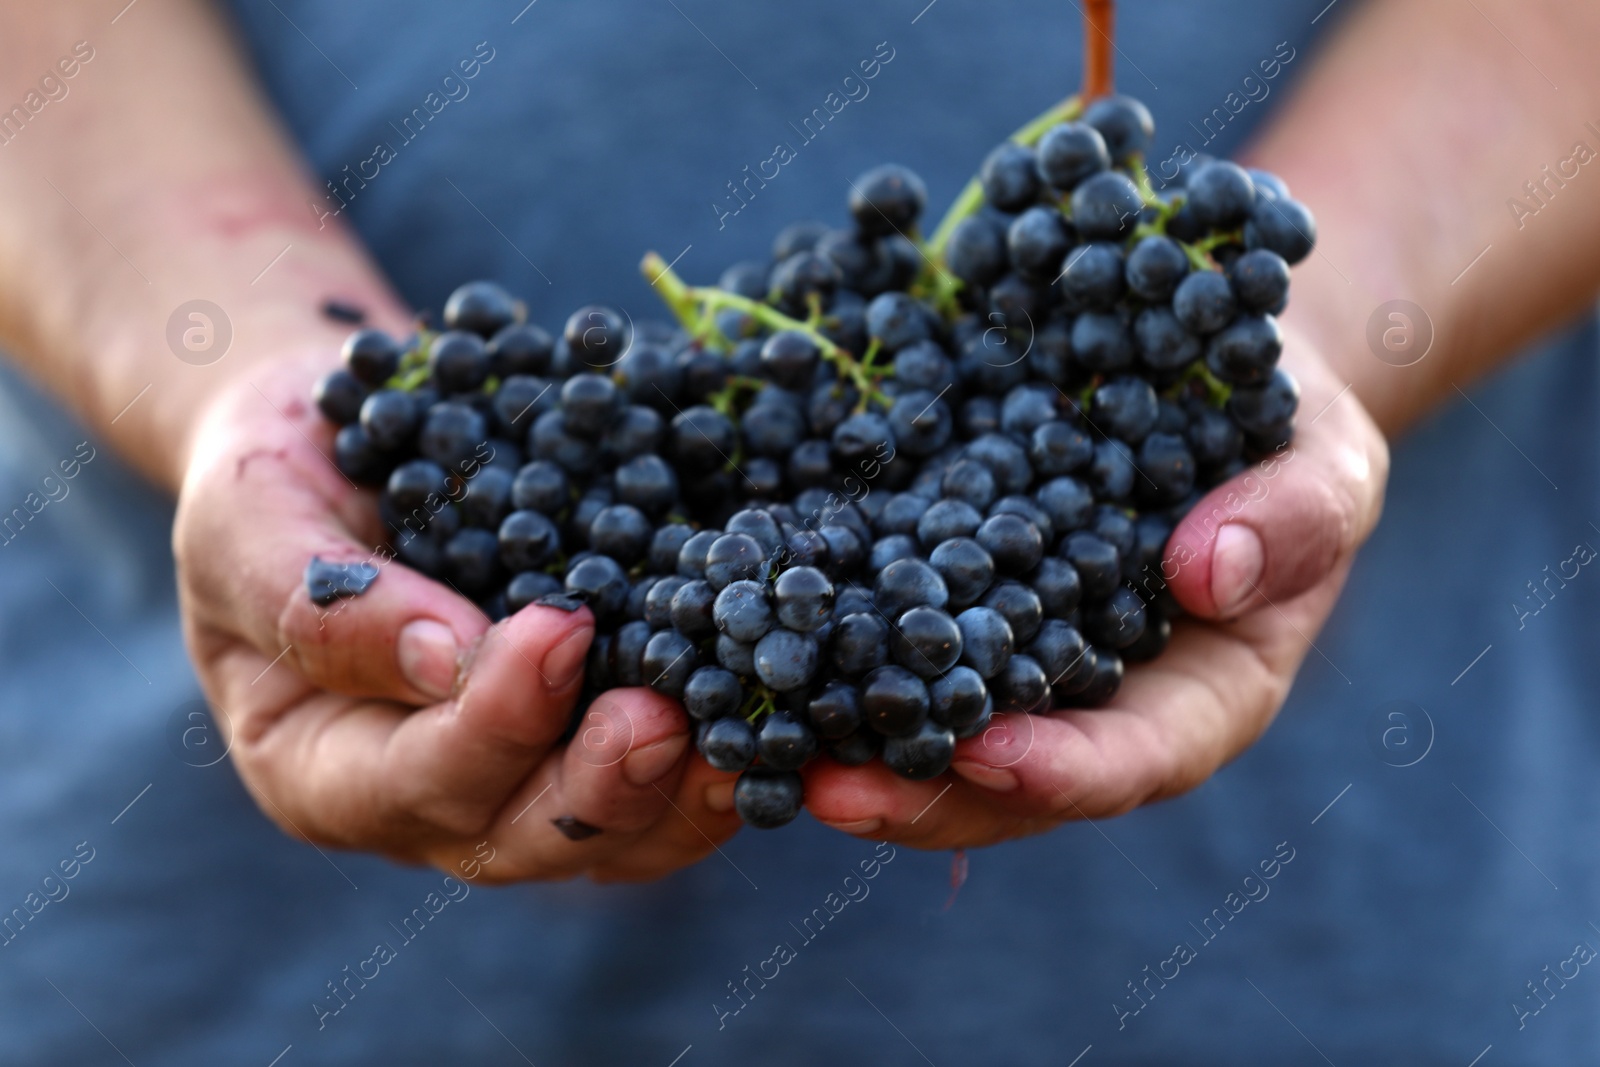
(401, 721)
(1258, 565)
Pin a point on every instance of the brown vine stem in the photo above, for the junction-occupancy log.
(1099, 33)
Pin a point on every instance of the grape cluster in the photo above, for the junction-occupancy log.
(861, 497)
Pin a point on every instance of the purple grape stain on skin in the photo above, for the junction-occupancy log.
(574, 829)
(327, 582)
(567, 602)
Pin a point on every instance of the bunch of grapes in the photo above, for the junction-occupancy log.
(862, 497)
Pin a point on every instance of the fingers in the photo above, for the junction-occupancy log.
(625, 760)
(249, 522)
(537, 834)
(1279, 529)
(456, 763)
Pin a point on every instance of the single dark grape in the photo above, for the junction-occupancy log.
(860, 643)
(1283, 226)
(887, 200)
(458, 361)
(920, 422)
(1220, 195)
(356, 456)
(693, 609)
(1102, 343)
(767, 799)
(528, 541)
(1246, 353)
(371, 356)
(520, 349)
(926, 642)
(1260, 281)
(1067, 500)
(1118, 622)
(966, 567)
(1060, 650)
(1038, 241)
(1262, 410)
(389, 418)
(906, 584)
(416, 486)
(786, 660)
(1010, 177)
(1020, 685)
(785, 743)
(1097, 562)
(1163, 343)
(1155, 267)
(1071, 152)
(970, 482)
(601, 583)
(1057, 448)
(986, 640)
(1020, 606)
(895, 701)
(528, 587)
(712, 693)
(1214, 438)
(1092, 276)
(452, 434)
(736, 656)
(727, 744)
(1125, 123)
(339, 396)
(958, 699)
(1106, 207)
(976, 253)
(1014, 543)
(1125, 408)
(472, 561)
(804, 599)
(670, 659)
(743, 611)
(1204, 302)
(549, 439)
(922, 755)
(835, 712)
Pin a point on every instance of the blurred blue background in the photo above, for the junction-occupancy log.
(1412, 914)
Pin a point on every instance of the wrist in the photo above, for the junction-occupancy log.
(242, 303)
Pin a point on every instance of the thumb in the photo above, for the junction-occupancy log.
(1282, 527)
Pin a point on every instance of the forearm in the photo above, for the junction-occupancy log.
(157, 179)
(1407, 140)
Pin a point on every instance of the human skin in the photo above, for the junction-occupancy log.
(405, 724)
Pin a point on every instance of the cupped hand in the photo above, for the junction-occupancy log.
(401, 721)
(1258, 564)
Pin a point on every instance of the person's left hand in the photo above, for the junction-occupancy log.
(1258, 563)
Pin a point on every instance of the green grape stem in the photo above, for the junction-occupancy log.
(696, 308)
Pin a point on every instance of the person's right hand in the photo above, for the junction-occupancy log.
(401, 721)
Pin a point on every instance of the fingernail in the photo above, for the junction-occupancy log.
(719, 797)
(1236, 566)
(427, 652)
(864, 826)
(564, 663)
(645, 765)
(994, 779)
